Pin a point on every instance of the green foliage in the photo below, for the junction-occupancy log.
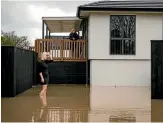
(11, 39)
(6, 42)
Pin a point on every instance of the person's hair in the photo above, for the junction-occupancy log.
(39, 57)
(73, 30)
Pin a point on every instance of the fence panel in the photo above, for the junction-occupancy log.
(67, 73)
(35, 72)
(157, 69)
(23, 62)
(7, 70)
(20, 68)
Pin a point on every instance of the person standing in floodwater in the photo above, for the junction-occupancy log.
(44, 73)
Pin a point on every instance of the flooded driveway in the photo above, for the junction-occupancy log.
(80, 103)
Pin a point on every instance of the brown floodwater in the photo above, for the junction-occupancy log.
(80, 103)
(157, 110)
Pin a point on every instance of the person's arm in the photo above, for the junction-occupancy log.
(76, 36)
(70, 36)
(40, 67)
(41, 76)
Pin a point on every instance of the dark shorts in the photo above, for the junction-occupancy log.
(46, 78)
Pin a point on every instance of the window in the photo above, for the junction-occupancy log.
(122, 34)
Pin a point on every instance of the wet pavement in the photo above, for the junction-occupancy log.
(80, 103)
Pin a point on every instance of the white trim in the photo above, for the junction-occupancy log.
(60, 18)
(143, 12)
(87, 13)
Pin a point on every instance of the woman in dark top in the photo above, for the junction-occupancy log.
(43, 73)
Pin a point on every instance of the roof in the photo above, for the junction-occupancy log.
(146, 5)
(61, 24)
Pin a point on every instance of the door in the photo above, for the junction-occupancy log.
(157, 69)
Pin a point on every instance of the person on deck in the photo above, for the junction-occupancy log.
(73, 35)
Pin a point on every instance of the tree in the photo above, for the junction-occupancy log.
(5, 41)
(11, 39)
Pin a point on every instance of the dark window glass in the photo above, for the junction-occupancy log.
(122, 33)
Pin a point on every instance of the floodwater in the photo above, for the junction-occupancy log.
(157, 110)
(80, 103)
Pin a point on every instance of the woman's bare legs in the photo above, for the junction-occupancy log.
(43, 112)
(43, 94)
(44, 90)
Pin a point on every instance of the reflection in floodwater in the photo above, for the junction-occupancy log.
(122, 118)
(59, 114)
(79, 103)
(42, 117)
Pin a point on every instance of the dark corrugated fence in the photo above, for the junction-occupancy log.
(67, 73)
(157, 69)
(18, 70)
(7, 70)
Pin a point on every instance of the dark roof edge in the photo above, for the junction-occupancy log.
(117, 9)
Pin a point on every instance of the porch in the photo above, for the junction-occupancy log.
(61, 48)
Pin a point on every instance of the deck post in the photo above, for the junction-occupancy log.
(61, 50)
(49, 34)
(42, 29)
(46, 33)
(86, 25)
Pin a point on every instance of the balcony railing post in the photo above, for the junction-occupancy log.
(61, 50)
(36, 50)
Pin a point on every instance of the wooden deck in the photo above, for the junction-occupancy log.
(62, 49)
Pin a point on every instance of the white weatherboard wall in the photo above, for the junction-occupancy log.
(122, 70)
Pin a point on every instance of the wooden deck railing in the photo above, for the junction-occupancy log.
(62, 49)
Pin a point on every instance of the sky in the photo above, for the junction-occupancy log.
(24, 17)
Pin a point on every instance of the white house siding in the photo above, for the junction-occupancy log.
(111, 101)
(122, 70)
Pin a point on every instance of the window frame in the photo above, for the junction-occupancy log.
(122, 37)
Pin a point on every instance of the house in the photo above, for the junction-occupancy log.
(118, 35)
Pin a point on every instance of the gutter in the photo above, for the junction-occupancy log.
(160, 10)
(162, 27)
